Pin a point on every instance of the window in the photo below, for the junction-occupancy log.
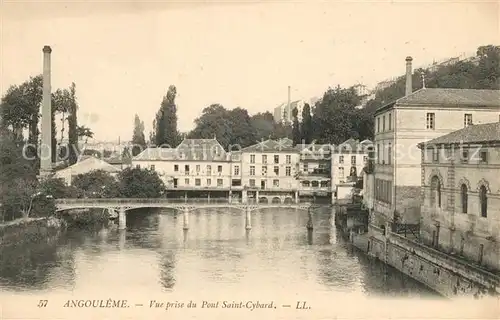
(186, 168)
(431, 121)
(435, 155)
(276, 158)
(365, 159)
(483, 200)
(288, 171)
(341, 172)
(219, 169)
(353, 160)
(378, 153)
(306, 167)
(252, 170)
(277, 170)
(483, 157)
(390, 121)
(276, 183)
(435, 192)
(264, 158)
(341, 159)
(198, 168)
(288, 159)
(465, 156)
(137, 166)
(264, 170)
(176, 167)
(236, 170)
(209, 182)
(389, 153)
(152, 167)
(186, 182)
(252, 182)
(378, 124)
(252, 158)
(197, 182)
(209, 170)
(383, 124)
(467, 119)
(219, 182)
(464, 198)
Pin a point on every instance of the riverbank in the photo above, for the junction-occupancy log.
(447, 275)
(30, 229)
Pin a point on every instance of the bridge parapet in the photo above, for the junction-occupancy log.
(146, 201)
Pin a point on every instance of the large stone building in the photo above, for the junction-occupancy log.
(399, 126)
(314, 172)
(460, 180)
(348, 160)
(268, 171)
(194, 165)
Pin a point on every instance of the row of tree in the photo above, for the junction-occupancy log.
(20, 110)
(335, 118)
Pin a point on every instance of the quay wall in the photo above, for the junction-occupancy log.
(445, 274)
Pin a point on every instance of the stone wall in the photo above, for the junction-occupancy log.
(443, 273)
(408, 203)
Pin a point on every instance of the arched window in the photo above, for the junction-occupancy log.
(435, 192)
(483, 200)
(463, 196)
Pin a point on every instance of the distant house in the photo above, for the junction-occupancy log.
(85, 165)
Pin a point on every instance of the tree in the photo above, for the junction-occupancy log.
(138, 137)
(166, 120)
(230, 127)
(140, 183)
(334, 115)
(17, 178)
(73, 126)
(307, 127)
(84, 132)
(97, 184)
(296, 136)
(263, 124)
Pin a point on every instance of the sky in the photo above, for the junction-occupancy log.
(123, 56)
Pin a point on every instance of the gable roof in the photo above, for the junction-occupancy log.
(87, 165)
(188, 149)
(448, 97)
(479, 133)
(283, 145)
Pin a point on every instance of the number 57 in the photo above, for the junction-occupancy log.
(42, 303)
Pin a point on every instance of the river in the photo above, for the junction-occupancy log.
(216, 259)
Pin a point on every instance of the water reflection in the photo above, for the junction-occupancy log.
(155, 253)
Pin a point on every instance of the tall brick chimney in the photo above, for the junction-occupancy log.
(46, 146)
(408, 76)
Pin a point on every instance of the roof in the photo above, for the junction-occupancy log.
(283, 145)
(188, 149)
(351, 145)
(480, 133)
(314, 148)
(87, 165)
(448, 97)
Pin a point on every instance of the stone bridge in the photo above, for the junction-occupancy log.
(185, 205)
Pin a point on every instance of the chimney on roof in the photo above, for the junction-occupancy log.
(408, 76)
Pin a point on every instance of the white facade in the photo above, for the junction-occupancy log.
(270, 170)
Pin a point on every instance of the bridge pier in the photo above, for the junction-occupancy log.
(248, 219)
(122, 219)
(296, 197)
(185, 216)
(309, 225)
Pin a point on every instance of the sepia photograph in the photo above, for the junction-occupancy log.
(249, 159)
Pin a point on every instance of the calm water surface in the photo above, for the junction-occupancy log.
(216, 258)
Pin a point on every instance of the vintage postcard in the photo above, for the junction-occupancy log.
(249, 159)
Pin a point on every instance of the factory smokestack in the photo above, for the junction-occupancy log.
(46, 145)
(409, 72)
